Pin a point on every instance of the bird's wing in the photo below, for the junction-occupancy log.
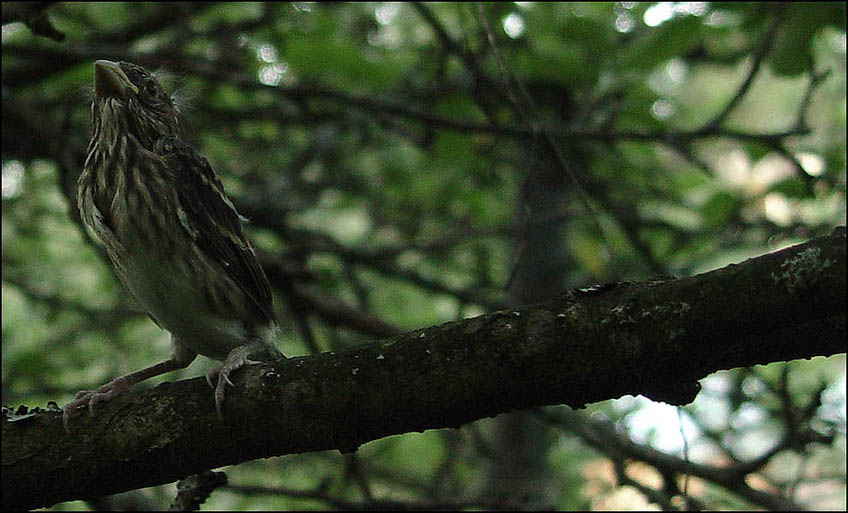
(213, 222)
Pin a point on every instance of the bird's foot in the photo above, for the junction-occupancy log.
(218, 378)
(91, 397)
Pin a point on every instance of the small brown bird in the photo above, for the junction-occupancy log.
(173, 236)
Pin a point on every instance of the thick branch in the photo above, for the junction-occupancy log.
(655, 338)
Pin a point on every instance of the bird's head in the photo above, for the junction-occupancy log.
(129, 101)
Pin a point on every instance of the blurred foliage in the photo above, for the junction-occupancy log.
(383, 148)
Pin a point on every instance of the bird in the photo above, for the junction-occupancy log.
(174, 238)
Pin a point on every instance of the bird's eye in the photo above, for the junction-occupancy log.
(150, 88)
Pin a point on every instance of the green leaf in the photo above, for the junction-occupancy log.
(341, 62)
(791, 187)
(670, 39)
(719, 209)
(792, 53)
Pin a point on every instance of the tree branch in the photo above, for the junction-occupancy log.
(655, 338)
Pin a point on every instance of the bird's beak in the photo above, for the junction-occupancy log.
(110, 81)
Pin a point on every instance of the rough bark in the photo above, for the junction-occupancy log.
(655, 338)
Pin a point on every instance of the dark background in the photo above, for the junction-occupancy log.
(404, 165)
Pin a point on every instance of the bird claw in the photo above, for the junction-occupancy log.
(91, 397)
(234, 361)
